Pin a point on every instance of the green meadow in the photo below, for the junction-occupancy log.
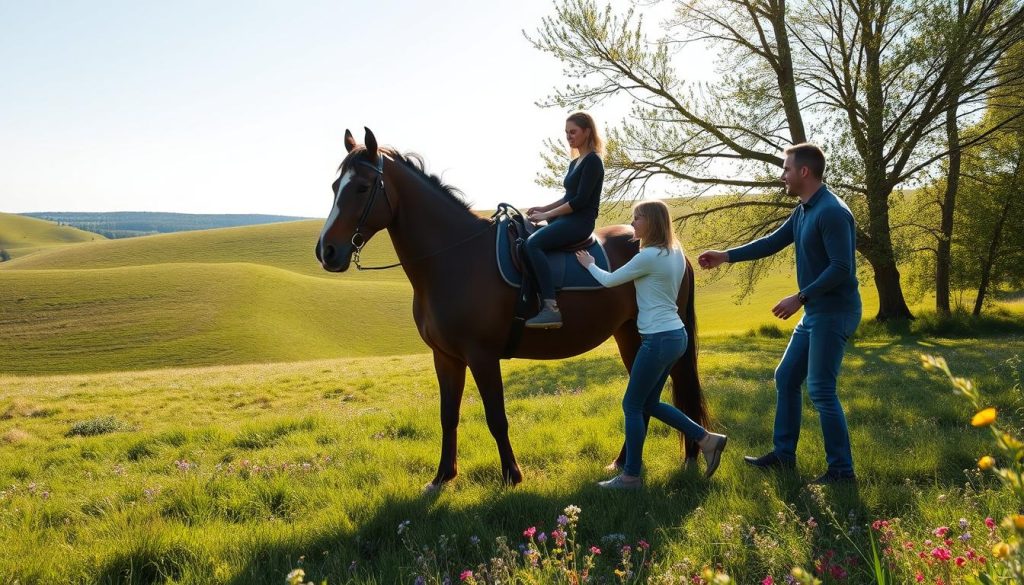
(211, 407)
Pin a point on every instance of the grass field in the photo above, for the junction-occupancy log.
(21, 236)
(241, 295)
(240, 474)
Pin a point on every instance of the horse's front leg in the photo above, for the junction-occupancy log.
(451, 378)
(487, 373)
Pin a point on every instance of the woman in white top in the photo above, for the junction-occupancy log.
(656, 272)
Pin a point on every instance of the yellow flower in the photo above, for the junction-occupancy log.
(986, 463)
(1001, 550)
(1018, 521)
(984, 417)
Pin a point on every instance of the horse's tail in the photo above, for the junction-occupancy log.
(686, 391)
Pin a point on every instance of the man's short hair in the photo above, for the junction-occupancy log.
(808, 155)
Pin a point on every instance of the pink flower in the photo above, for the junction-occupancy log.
(529, 532)
(960, 561)
(559, 536)
(643, 544)
(990, 523)
(467, 574)
(919, 577)
(768, 581)
(941, 553)
(941, 531)
(837, 572)
(594, 550)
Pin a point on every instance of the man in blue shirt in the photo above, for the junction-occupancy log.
(822, 230)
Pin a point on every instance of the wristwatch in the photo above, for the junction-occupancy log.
(802, 298)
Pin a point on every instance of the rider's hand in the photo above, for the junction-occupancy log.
(584, 257)
(712, 258)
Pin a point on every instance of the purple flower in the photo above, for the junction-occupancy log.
(542, 538)
(563, 520)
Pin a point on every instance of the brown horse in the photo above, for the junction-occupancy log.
(462, 308)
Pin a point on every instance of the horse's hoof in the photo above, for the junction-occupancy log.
(432, 489)
(513, 478)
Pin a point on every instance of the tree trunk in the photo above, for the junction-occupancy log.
(943, 254)
(988, 262)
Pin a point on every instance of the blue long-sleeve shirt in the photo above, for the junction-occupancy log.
(583, 185)
(825, 238)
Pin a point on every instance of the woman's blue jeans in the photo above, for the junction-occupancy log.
(658, 353)
(559, 233)
(815, 353)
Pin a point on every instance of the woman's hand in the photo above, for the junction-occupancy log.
(585, 258)
(537, 216)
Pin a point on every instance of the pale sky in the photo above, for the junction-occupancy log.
(241, 107)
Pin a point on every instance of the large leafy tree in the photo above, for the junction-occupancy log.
(871, 80)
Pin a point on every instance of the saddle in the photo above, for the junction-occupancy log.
(566, 271)
(514, 266)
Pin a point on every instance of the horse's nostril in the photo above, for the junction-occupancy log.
(328, 252)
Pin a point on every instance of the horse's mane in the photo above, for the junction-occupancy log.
(414, 162)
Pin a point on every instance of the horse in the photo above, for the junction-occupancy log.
(462, 308)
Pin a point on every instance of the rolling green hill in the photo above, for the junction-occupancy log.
(20, 235)
(127, 224)
(241, 295)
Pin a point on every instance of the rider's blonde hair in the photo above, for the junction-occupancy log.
(585, 121)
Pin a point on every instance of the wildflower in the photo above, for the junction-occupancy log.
(573, 512)
(963, 523)
(986, 463)
(960, 561)
(941, 531)
(529, 532)
(404, 526)
(837, 572)
(965, 537)
(295, 577)
(768, 581)
(643, 544)
(941, 553)
(984, 417)
(594, 550)
(1001, 550)
(465, 575)
(542, 538)
(919, 577)
(474, 540)
(812, 523)
(990, 523)
(1018, 521)
(563, 520)
(559, 536)
(419, 580)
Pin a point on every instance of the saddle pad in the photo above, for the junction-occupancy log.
(566, 271)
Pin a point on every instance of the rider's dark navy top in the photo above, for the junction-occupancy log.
(583, 185)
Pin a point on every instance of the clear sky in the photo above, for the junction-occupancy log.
(241, 107)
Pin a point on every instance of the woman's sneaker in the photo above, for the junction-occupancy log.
(548, 318)
(712, 450)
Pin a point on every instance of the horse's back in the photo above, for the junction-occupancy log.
(619, 243)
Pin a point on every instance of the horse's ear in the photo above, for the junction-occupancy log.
(350, 141)
(371, 144)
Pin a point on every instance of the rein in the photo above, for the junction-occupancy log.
(359, 241)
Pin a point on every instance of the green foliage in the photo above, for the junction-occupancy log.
(97, 426)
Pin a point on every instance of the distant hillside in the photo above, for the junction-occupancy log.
(21, 235)
(127, 224)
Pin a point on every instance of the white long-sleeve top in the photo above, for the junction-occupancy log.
(657, 274)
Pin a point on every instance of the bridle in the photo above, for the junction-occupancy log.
(359, 240)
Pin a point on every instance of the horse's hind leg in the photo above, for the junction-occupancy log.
(451, 377)
(487, 373)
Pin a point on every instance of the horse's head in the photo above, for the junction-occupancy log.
(361, 205)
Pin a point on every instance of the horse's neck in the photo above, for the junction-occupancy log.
(428, 224)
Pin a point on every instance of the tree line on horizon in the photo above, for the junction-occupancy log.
(918, 105)
(127, 224)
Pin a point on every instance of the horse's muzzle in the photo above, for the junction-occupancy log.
(334, 258)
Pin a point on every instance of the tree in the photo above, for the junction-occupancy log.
(864, 78)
